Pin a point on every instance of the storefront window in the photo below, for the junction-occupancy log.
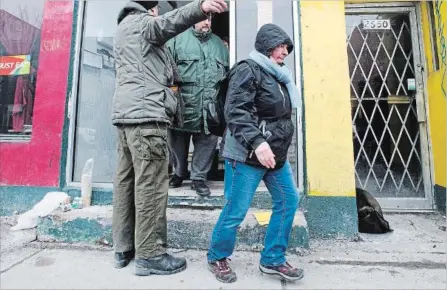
(95, 136)
(20, 27)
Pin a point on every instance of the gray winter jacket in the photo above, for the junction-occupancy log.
(144, 71)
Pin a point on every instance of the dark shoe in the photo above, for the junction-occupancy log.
(175, 181)
(200, 187)
(123, 259)
(222, 271)
(161, 265)
(285, 271)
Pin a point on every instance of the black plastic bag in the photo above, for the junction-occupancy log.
(370, 214)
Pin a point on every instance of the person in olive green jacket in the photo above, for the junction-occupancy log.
(202, 60)
(144, 105)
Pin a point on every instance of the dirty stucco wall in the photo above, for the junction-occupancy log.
(331, 206)
(434, 36)
(28, 170)
(36, 162)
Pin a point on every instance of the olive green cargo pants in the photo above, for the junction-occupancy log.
(140, 193)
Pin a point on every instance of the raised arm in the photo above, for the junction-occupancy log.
(158, 30)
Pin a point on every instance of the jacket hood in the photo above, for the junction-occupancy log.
(270, 36)
(130, 7)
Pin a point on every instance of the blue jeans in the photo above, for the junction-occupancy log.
(241, 182)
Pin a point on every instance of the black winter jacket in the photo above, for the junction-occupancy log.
(251, 102)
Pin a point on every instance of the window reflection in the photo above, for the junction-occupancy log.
(94, 133)
(20, 28)
(95, 136)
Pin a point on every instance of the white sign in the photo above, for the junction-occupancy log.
(376, 24)
(411, 84)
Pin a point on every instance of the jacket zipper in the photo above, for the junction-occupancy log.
(283, 97)
(283, 104)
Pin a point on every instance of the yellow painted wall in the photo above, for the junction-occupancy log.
(437, 87)
(329, 147)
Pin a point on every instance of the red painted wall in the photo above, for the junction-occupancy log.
(36, 163)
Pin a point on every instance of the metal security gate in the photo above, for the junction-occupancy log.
(387, 101)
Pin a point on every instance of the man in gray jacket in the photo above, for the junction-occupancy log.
(144, 105)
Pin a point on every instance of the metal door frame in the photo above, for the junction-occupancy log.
(413, 10)
(299, 112)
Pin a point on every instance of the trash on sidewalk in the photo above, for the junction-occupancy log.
(86, 183)
(50, 202)
(77, 203)
(370, 214)
(66, 205)
(263, 218)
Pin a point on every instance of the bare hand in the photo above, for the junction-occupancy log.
(213, 6)
(265, 155)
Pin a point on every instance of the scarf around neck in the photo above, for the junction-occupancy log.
(281, 73)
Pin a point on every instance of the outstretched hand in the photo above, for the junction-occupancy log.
(213, 6)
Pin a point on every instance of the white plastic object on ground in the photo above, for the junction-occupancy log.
(50, 202)
(86, 183)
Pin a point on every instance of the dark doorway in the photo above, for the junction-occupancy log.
(221, 27)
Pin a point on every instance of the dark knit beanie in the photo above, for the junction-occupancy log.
(147, 4)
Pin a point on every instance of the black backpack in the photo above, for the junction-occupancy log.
(215, 116)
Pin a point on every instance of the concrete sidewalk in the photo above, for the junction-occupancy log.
(71, 269)
(412, 257)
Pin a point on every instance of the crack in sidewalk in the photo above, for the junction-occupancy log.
(21, 261)
(431, 265)
(283, 284)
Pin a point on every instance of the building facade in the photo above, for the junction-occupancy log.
(372, 77)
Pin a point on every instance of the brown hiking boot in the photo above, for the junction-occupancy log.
(285, 271)
(222, 271)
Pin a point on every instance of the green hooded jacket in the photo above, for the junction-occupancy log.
(202, 60)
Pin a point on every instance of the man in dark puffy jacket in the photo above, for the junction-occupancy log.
(202, 60)
(144, 105)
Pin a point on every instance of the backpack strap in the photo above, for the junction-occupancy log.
(255, 68)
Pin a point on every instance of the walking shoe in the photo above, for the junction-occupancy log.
(222, 271)
(200, 187)
(176, 181)
(123, 259)
(161, 265)
(285, 271)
